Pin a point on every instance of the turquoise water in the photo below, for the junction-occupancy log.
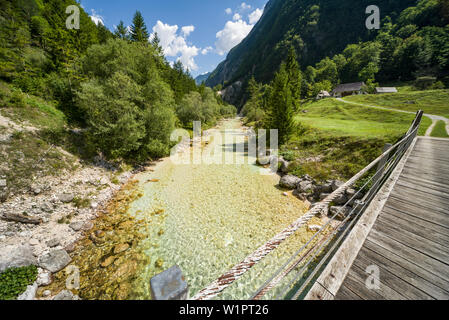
(210, 217)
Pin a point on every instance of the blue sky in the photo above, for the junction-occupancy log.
(198, 32)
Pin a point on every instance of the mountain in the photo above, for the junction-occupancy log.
(316, 28)
(202, 78)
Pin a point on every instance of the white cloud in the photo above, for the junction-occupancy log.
(96, 18)
(187, 30)
(235, 31)
(175, 45)
(237, 17)
(255, 16)
(232, 34)
(245, 6)
(206, 50)
(228, 11)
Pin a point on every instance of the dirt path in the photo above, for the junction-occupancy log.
(432, 117)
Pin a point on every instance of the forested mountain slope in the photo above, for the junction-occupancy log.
(323, 28)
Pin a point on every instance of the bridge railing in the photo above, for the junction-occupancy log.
(297, 274)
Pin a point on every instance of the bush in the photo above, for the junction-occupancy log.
(14, 281)
(17, 99)
(127, 105)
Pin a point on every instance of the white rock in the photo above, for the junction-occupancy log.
(30, 293)
(46, 293)
(43, 278)
(314, 228)
(34, 242)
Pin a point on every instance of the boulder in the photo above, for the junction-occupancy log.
(55, 261)
(324, 188)
(283, 168)
(16, 256)
(341, 212)
(352, 192)
(16, 217)
(305, 186)
(66, 197)
(77, 225)
(336, 184)
(324, 196)
(52, 243)
(289, 182)
(299, 195)
(340, 200)
(4, 193)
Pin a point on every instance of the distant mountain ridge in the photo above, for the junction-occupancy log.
(316, 28)
(202, 78)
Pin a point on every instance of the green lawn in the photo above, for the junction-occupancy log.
(342, 119)
(439, 131)
(337, 140)
(430, 101)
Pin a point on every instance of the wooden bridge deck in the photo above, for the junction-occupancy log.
(409, 238)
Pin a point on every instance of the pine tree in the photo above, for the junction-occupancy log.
(139, 32)
(121, 31)
(281, 112)
(156, 43)
(294, 78)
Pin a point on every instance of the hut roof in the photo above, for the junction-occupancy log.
(349, 87)
(386, 90)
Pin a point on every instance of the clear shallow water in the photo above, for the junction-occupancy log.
(206, 218)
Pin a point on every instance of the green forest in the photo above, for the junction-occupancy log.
(117, 87)
(413, 48)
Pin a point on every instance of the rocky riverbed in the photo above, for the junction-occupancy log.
(42, 224)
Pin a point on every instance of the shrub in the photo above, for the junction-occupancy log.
(14, 281)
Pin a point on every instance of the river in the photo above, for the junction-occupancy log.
(210, 216)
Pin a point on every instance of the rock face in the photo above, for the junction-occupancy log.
(55, 260)
(16, 256)
(289, 182)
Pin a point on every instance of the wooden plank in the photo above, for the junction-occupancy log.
(426, 183)
(423, 200)
(345, 293)
(429, 164)
(422, 174)
(321, 294)
(425, 246)
(407, 221)
(434, 266)
(436, 159)
(431, 290)
(398, 259)
(356, 279)
(401, 205)
(422, 170)
(421, 188)
(389, 279)
(416, 229)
